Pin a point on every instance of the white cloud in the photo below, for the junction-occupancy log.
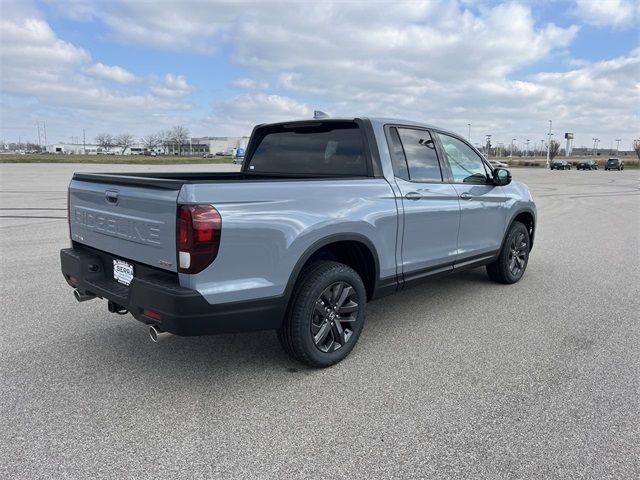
(249, 84)
(436, 61)
(44, 77)
(613, 13)
(237, 115)
(111, 72)
(172, 86)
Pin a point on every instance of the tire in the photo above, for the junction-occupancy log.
(310, 315)
(508, 268)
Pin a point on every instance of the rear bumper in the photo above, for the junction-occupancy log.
(182, 311)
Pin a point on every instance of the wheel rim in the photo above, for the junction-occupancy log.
(334, 317)
(518, 254)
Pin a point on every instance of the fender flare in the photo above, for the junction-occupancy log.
(512, 219)
(323, 242)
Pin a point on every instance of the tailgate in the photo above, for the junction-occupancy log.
(131, 222)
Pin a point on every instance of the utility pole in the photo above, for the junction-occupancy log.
(512, 140)
(526, 151)
(39, 140)
(469, 137)
(84, 143)
(44, 126)
(549, 143)
(618, 140)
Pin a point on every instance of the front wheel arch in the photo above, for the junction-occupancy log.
(528, 219)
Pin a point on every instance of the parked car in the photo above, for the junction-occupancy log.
(497, 164)
(587, 165)
(614, 164)
(220, 154)
(207, 155)
(560, 165)
(323, 217)
(150, 153)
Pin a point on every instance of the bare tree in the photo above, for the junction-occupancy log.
(179, 135)
(554, 149)
(124, 141)
(105, 141)
(150, 141)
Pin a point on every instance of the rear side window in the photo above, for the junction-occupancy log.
(331, 148)
(420, 152)
(398, 160)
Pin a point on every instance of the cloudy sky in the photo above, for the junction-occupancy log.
(221, 67)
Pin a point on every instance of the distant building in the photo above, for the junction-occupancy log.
(196, 146)
(74, 148)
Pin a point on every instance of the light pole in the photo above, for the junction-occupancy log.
(549, 143)
(469, 137)
(488, 144)
(618, 140)
(595, 145)
(526, 152)
(512, 140)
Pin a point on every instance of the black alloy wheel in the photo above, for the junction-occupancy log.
(513, 258)
(334, 316)
(326, 314)
(518, 251)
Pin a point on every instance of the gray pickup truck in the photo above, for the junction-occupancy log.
(324, 216)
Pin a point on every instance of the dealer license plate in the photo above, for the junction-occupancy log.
(122, 271)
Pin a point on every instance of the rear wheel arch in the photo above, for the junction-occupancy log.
(354, 250)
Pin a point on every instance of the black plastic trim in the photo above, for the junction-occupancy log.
(418, 276)
(533, 230)
(182, 311)
(339, 237)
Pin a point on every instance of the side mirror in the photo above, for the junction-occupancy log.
(501, 176)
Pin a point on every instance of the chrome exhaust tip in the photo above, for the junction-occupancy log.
(81, 297)
(156, 334)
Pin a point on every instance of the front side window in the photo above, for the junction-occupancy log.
(466, 165)
(420, 152)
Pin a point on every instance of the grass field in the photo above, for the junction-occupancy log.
(123, 159)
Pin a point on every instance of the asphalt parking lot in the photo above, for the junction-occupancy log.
(459, 377)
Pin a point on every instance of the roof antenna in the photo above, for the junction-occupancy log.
(319, 114)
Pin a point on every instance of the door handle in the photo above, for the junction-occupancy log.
(465, 196)
(413, 196)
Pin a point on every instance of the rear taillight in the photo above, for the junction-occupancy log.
(197, 237)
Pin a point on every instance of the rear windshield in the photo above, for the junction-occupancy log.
(612, 160)
(331, 148)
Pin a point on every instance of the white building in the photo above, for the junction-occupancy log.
(74, 148)
(93, 149)
(223, 144)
